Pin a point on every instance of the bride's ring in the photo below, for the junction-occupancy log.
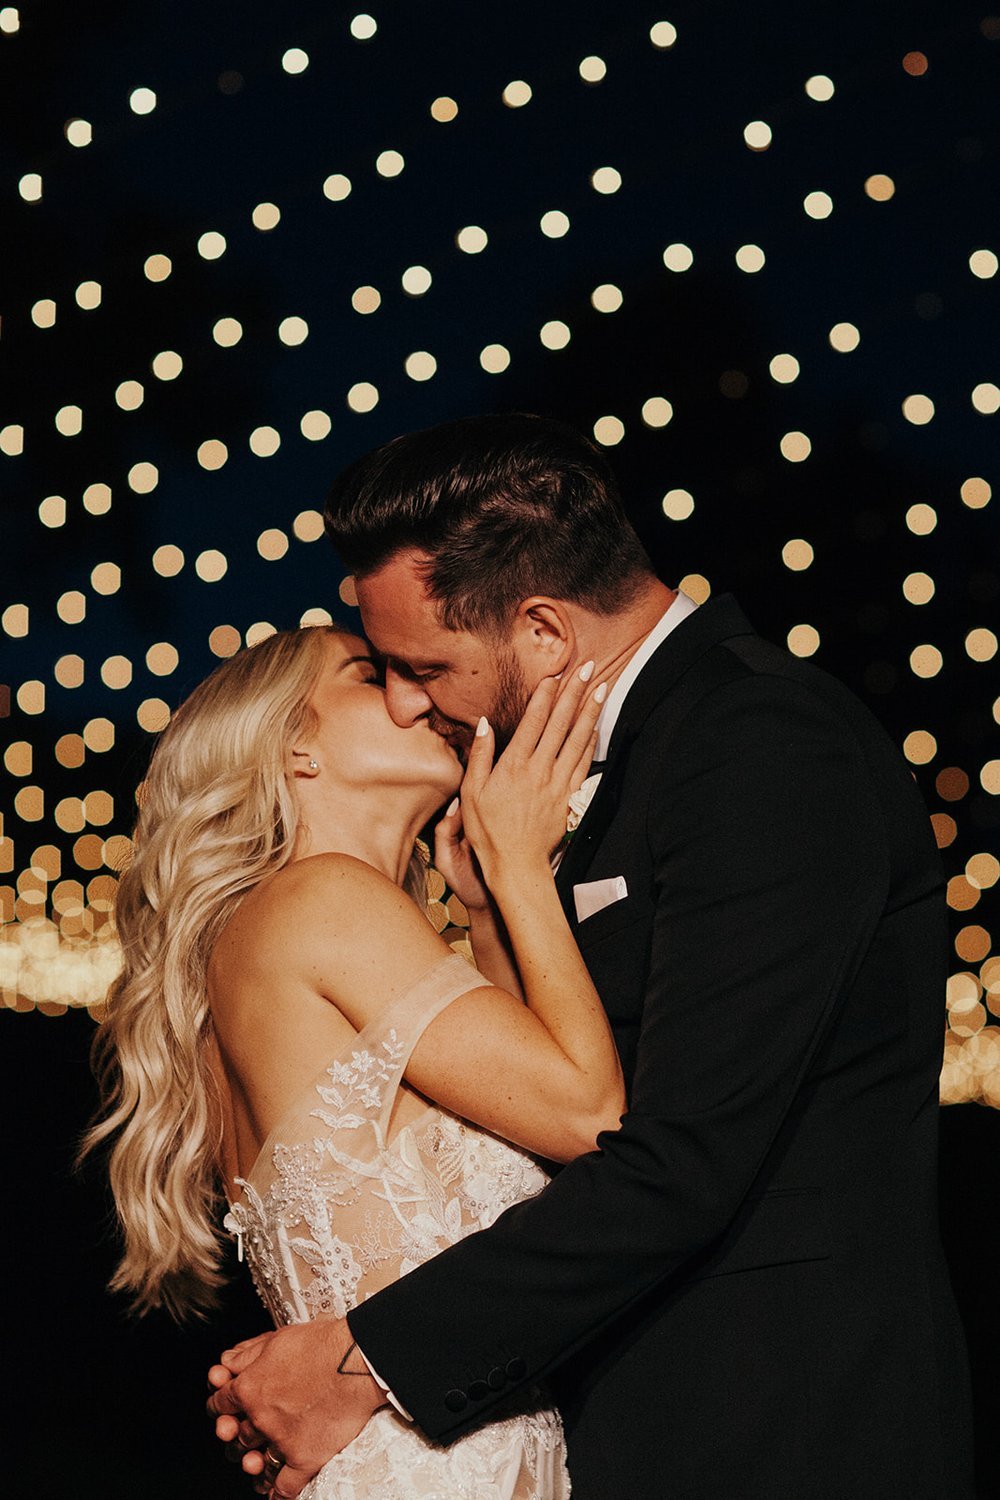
(274, 1460)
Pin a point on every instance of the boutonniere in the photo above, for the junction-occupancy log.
(579, 801)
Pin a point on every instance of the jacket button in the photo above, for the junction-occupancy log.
(516, 1369)
(479, 1390)
(496, 1379)
(456, 1400)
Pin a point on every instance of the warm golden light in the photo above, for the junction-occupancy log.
(265, 441)
(337, 187)
(211, 245)
(981, 644)
(495, 358)
(88, 295)
(272, 544)
(211, 565)
(554, 224)
(593, 69)
(795, 447)
(444, 109)
(926, 661)
(143, 478)
(295, 60)
(421, 365)
(679, 258)
(52, 511)
(920, 747)
(212, 453)
(657, 411)
(266, 216)
(554, 334)
(818, 205)
(97, 499)
(363, 396)
(416, 280)
(167, 365)
(984, 264)
(606, 180)
(921, 519)
(227, 332)
(879, 187)
(168, 560)
(677, 505)
(819, 87)
(986, 398)
(609, 431)
(918, 588)
(784, 368)
(157, 267)
(976, 493)
(844, 337)
(757, 135)
(750, 258)
(293, 331)
(606, 298)
(797, 555)
(130, 395)
(517, 94)
(315, 425)
(803, 640)
(366, 299)
(389, 163)
(918, 409)
(663, 35)
(472, 240)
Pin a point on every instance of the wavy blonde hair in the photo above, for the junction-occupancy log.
(216, 815)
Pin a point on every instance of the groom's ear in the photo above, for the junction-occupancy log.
(543, 635)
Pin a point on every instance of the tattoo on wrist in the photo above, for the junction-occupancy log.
(342, 1367)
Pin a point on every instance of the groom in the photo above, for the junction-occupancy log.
(741, 1295)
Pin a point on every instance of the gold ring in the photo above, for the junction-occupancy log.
(274, 1459)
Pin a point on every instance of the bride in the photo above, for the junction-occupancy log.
(288, 1030)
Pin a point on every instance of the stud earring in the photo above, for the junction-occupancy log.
(314, 765)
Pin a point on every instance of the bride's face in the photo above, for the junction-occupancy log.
(356, 741)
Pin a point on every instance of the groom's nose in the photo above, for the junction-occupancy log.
(405, 699)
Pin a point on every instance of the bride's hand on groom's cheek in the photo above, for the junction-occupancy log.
(515, 811)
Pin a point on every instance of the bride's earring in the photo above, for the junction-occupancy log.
(314, 765)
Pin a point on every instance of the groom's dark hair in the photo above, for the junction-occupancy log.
(504, 507)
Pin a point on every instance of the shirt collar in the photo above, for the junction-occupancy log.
(679, 610)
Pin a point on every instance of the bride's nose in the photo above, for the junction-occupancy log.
(405, 699)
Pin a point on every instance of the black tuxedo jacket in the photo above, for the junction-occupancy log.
(740, 1295)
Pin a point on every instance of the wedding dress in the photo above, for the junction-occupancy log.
(358, 1183)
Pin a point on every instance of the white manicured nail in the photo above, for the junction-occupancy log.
(452, 808)
(483, 727)
(601, 693)
(586, 671)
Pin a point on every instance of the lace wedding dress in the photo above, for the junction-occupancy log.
(359, 1182)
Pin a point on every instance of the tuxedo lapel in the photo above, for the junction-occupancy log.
(718, 620)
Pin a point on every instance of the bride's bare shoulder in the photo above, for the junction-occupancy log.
(316, 899)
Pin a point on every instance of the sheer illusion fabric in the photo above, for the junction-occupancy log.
(357, 1184)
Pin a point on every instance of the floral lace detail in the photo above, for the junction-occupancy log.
(337, 1207)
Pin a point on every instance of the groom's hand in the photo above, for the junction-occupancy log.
(302, 1392)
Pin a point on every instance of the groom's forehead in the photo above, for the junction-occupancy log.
(401, 618)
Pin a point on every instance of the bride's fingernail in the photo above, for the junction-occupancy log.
(452, 808)
(586, 671)
(483, 727)
(601, 693)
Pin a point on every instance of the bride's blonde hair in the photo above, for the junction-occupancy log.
(216, 815)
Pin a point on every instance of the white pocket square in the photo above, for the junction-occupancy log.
(594, 895)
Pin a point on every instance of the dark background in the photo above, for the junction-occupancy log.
(100, 1405)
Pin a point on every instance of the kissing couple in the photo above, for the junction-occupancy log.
(643, 1202)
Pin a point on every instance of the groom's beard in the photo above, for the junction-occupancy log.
(511, 698)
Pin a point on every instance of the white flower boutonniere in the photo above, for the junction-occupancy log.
(579, 802)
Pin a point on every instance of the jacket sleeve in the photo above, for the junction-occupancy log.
(771, 874)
